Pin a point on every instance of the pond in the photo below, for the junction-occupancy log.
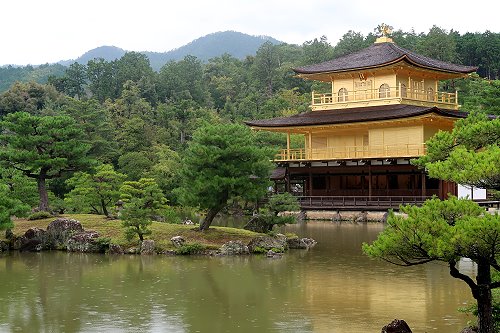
(330, 288)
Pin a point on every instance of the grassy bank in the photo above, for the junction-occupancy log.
(161, 232)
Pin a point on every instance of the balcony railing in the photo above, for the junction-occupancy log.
(398, 94)
(352, 152)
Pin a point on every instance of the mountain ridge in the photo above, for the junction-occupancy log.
(237, 44)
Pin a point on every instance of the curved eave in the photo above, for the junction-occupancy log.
(284, 127)
(405, 57)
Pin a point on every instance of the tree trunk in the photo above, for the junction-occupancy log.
(104, 209)
(207, 221)
(484, 299)
(43, 204)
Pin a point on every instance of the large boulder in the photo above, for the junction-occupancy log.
(33, 240)
(60, 230)
(262, 244)
(396, 326)
(301, 243)
(85, 241)
(4, 246)
(148, 247)
(232, 248)
(115, 249)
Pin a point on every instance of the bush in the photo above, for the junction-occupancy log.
(39, 216)
(194, 248)
(259, 249)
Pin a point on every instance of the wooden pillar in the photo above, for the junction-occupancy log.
(310, 181)
(288, 145)
(287, 179)
(310, 145)
(423, 184)
(370, 180)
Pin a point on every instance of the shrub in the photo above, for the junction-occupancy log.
(194, 248)
(259, 249)
(39, 215)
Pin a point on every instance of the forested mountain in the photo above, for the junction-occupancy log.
(108, 53)
(236, 44)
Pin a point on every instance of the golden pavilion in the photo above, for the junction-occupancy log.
(382, 105)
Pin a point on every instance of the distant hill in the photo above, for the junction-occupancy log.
(237, 44)
(108, 53)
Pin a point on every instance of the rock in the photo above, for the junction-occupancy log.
(384, 217)
(469, 329)
(266, 243)
(178, 241)
(148, 247)
(232, 248)
(33, 240)
(133, 250)
(115, 249)
(337, 217)
(60, 230)
(301, 243)
(361, 217)
(396, 326)
(4, 246)
(9, 234)
(85, 241)
(272, 254)
(188, 222)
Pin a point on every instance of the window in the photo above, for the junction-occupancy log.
(342, 95)
(430, 94)
(403, 90)
(383, 91)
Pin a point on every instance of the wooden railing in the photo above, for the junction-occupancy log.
(358, 202)
(351, 152)
(366, 95)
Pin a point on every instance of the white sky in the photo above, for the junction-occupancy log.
(41, 31)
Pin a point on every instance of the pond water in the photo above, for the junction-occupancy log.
(331, 288)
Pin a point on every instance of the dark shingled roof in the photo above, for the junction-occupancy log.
(353, 115)
(378, 55)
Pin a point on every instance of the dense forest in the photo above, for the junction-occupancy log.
(139, 121)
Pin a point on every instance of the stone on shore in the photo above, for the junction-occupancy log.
(148, 247)
(301, 243)
(85, 241)
(266, 243)
(396, 326)
(232, 248)
(60, 230)
(178, 241)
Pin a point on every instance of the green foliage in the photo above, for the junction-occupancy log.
(42, 147)
(468, 155)
(446, 231)
(39, 215)
(222, 162)
(95, 192)
(259, 250)
(9, 207)
(143, 202)
(187, 249)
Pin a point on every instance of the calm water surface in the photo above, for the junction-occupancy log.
(331, 288)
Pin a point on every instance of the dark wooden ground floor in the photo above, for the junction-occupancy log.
(359, 183)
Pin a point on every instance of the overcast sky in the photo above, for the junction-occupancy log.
(41, 31)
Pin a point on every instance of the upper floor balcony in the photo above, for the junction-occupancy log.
(351, 152)
(382, 96)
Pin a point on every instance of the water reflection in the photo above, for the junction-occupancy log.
(332, 288)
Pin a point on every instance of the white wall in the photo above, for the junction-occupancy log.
(476, 193)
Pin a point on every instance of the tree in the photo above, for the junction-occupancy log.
(96, 191)
(271, 215)
(143, 202)
(42, 147)
(221, 163)
(446, 231)
(438, 44)
(469, 155)
(8, 207)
